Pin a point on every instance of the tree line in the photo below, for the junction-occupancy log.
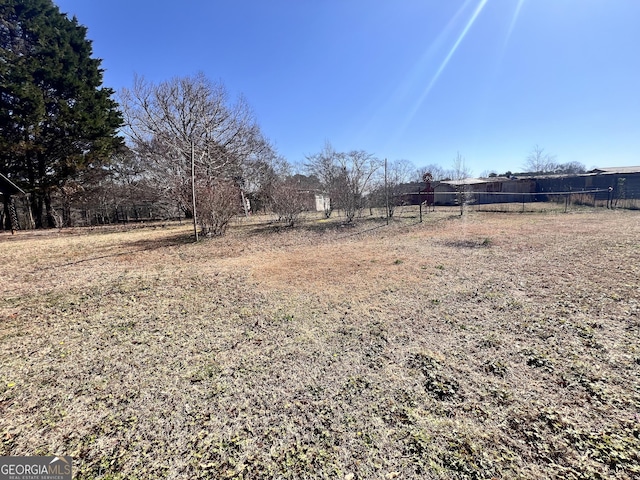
(164, 149)
(161, 150)
(56, 119)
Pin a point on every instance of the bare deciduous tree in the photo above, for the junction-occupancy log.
(437, 173)
(539, 161)
(461, 173)
(345, 175)
(399, 173)
(324, 167)
(217, 201)
(288, 200)
(357, 169)
(488, 174)
(260, 176)
(164, 122)
(571, 168)
(117, 191)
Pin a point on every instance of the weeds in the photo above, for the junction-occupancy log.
(537, 359)
(254, 357)
(495, 367)
(436, 383)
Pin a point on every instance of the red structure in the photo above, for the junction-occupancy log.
(427, 192)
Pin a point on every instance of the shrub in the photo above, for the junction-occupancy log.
(288, 201)
(217, 202)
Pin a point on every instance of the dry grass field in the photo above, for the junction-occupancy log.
(489, 346)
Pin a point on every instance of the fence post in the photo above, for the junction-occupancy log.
(193, 190)
(386, 190)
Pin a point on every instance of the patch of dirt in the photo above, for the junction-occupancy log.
(492, 345)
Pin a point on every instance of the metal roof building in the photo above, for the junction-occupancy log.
(616, 170)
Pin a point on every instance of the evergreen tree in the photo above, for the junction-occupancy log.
(55, 118)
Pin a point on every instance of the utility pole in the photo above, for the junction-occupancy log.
(193, 189)
(386, 189)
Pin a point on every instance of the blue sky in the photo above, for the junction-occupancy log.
(407, 79)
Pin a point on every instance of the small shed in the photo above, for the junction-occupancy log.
(322, 202)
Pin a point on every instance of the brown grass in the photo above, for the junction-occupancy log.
(488, 346)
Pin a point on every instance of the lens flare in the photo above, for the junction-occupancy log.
(512, 25)
(425, 93)
(446, 60)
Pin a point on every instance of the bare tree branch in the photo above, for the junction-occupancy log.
(538, 161)
(345, 176)
(163, 121)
